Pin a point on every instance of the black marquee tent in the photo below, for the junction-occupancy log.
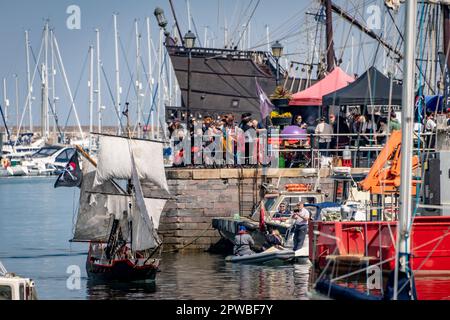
(371, 88)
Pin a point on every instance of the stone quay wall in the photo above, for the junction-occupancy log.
(199, 195)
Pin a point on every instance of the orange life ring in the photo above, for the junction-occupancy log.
(298, 187)
(6, 163)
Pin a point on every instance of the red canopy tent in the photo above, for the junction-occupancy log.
(312, 96)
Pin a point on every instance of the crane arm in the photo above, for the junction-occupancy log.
(384, 176)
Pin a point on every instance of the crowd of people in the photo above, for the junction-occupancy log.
(328, 134)
(209, 128)
(212, 126)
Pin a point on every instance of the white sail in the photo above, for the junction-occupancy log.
(114, 160)
(144, 234)
(96, 209)
(155, 208)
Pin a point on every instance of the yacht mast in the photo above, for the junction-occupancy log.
(44, 98)
(29, 87)
(99, 83)
(66, 82)
(53, 69)
(138, 79)
(405, 213)
(150, 76)
(91, 95)
(225, 42)
(188, 5)
(16, 77)
(45, 82)
(117, 71)
(5, 101)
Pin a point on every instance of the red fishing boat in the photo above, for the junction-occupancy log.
(346, 247)
(407, 256)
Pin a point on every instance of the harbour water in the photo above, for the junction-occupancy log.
(36, 224)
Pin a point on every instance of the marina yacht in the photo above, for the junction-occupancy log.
(13, 287)
(48, 160)
(21, 151)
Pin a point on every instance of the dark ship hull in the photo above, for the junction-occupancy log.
(121, 270)
(224, 81)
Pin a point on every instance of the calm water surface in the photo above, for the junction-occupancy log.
(36, 222)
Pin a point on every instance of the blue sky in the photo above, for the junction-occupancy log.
(285, 18)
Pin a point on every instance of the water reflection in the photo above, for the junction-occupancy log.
(116, 290)
(205, 276)
(34, 234)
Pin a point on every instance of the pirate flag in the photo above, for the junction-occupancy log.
(71, 175)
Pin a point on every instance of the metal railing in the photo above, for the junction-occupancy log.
(301, 150)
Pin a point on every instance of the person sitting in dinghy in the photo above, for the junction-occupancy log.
(243, 243)
(273, 239)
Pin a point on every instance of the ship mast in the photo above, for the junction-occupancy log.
(176, 21)
(405, 214)
(446, 48)
(329, 34)
(363, 28)
(446, 31)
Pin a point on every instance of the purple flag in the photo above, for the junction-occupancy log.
(265, 106)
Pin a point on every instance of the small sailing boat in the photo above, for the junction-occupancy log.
(120, 225)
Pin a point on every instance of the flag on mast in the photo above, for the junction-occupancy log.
(72, 175)
(265, 106)
(262, 218)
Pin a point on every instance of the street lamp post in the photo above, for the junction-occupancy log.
(277, 52)
(160, 18)
(189, 43)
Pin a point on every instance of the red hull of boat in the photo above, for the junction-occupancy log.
(430, 243)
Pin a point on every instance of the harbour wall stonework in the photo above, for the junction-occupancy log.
(199, 195)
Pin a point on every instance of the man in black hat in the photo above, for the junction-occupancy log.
(245, 122)
(246, 125)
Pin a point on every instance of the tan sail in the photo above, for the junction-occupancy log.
(144, 232)
(114, 160)
(98, 207)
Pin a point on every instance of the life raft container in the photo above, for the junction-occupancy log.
(298, 187)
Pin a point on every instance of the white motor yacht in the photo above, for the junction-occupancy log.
(48, 160)
(13, 287)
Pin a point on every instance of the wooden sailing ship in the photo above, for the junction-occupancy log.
(121, 225)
